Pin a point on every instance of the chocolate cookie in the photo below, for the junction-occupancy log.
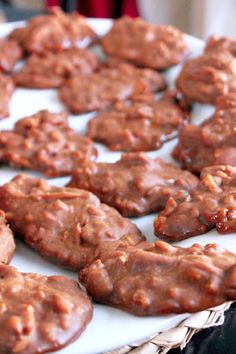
(211, 204)
(145, 44)
(140, 124)
(65, 225)
(54, 31)
(161, 279)
(204, 78)
(211, 143)
(218, 43)
(7, 243)
(40, 314)
(49, 70)
(44, 142)
(135, 185)
(10, 53)
(7, 88)
(102, 89)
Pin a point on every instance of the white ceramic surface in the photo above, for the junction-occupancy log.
(109, 328)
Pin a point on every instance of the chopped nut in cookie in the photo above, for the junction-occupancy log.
(135, 185)
(211, 204)
(68, 226)
(45, 142)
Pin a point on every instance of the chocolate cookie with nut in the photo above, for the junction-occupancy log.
(145, 44)
(211, 204)
(66, 225)
(40, 314)
(7, 88)
(208, 76)
(7, 243)
(211, 143)
(135, 185)
(10, 53)
(49, 70)
(110, 84)
(157, 278)
(53, 32)
(45, 142)
(141, 123)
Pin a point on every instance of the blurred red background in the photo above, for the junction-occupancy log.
(103, 8)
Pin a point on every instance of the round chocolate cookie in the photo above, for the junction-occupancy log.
(54, 32)
(45, 142)
(49, 70)
(40, 314)
(7, 243)
(66, 225)
(211, 143)
(135, 185)
(141, 123)
(204, 78)
(102, 89)
(211, 204)
(218, 43)
(158, 278)
(145, 44)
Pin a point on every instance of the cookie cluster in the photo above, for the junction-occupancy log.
(84, 225)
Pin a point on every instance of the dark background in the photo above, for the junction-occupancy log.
(216, 340)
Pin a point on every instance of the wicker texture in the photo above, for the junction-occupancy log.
(179, 336)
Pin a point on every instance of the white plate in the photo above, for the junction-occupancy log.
(109, 328)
